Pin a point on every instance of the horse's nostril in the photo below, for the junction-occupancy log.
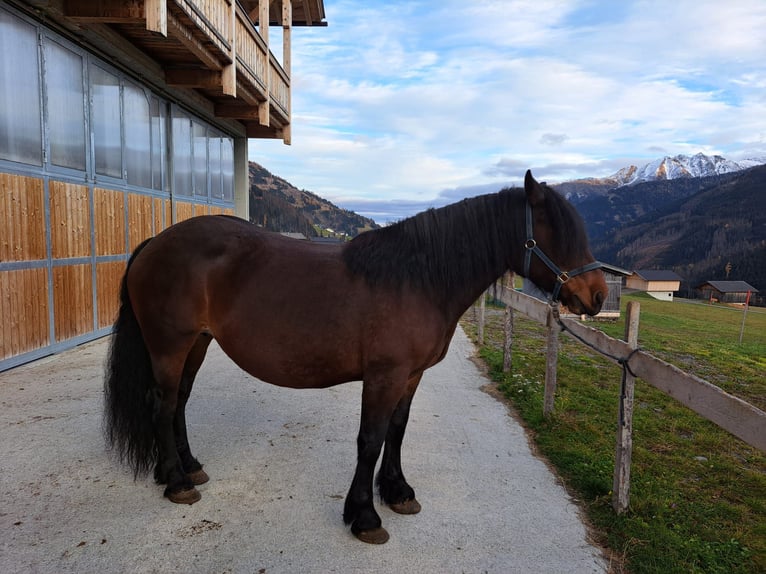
(598, 298)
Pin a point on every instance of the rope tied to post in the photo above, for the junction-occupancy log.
(624, 362)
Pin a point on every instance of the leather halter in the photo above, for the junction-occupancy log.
(561, 276)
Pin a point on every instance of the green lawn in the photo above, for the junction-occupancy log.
(698, 494)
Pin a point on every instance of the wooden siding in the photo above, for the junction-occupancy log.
(184, 211)
(70, 220)
(108, 277)
(23, 311)
(72, 301)
(140, 219)
(22, 218)
(109, 214)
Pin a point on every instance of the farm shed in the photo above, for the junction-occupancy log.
(660, 284)
(727, 291)
(118, 119)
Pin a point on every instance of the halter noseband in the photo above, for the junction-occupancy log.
(561, 276)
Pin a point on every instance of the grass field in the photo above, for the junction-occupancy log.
(698, 494)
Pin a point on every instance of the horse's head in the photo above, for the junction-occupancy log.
(557, 257)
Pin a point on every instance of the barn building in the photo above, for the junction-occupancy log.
(659, 283)
(117, 119)
(734, 292)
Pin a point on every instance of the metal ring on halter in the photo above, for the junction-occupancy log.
(530, 244)
(562, 277)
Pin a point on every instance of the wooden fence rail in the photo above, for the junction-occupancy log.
(734, 415)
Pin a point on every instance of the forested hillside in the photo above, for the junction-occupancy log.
(277, 205)
(696, 235)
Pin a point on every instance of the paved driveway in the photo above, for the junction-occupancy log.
(280, 462)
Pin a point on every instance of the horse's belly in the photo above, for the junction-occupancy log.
(298, 368)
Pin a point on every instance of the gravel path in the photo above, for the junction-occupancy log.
(280, 462)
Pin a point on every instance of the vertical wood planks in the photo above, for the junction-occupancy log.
(140, 219)
(22, 213)
(184, 210)
(108, 277)
(70, 220)
(109, 215)
(23, 311)
(72, 301)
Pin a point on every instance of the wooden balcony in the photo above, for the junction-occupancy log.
(214, 53)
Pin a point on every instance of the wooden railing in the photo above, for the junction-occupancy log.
(731, 413)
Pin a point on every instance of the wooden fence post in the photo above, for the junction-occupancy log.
(551, 363)
(482, 312)
(508, 340)
(624, 448)
(508, 329)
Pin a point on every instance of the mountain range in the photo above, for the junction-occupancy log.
(277, 205)
(692, 215)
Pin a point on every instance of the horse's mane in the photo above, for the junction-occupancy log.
(440, 251)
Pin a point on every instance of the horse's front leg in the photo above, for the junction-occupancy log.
(380, 395)
(393, 486)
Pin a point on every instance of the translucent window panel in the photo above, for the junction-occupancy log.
(214, 160)
(66, 110)
(200, 159)
(105, 121)
(157, 111)
(138, 137)
(182, 157)
(20, 125)
(227, 167)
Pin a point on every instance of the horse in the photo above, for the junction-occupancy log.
(381, 308)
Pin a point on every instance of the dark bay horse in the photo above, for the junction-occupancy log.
(381, 308)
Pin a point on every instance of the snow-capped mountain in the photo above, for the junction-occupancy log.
(698, 165)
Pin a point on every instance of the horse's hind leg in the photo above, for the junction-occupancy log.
(392, 485)
(189, 463)
(168, 371)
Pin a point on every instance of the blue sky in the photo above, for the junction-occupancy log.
(403, 105)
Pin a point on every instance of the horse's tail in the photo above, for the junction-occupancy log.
(129, 388)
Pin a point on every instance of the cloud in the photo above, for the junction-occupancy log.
(553, 139)
(404, 104)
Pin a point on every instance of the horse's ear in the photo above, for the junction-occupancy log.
(535, 191)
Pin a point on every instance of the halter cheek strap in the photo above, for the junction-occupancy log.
(561, 276)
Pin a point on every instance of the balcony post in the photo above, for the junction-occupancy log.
(156, 16)
(229, 72)
(263, 28)
(287, 27)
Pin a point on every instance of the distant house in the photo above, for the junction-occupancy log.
(293, 235)
(659, 283)
(726, 291)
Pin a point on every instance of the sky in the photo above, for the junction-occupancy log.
(398, 106)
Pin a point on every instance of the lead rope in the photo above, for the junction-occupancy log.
(624, 362)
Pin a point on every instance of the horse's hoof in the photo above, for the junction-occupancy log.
(187, 496)
(198, 477)
(374, 536)
(410, 506)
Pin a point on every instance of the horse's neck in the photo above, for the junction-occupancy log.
(462, 301)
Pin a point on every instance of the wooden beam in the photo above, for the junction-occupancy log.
(230, 71)
(263, 20)
(184, 35)
(256, 130)
(194, 78)
(111, 11)
(156, 16)
(307, 12)
(237, 112)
